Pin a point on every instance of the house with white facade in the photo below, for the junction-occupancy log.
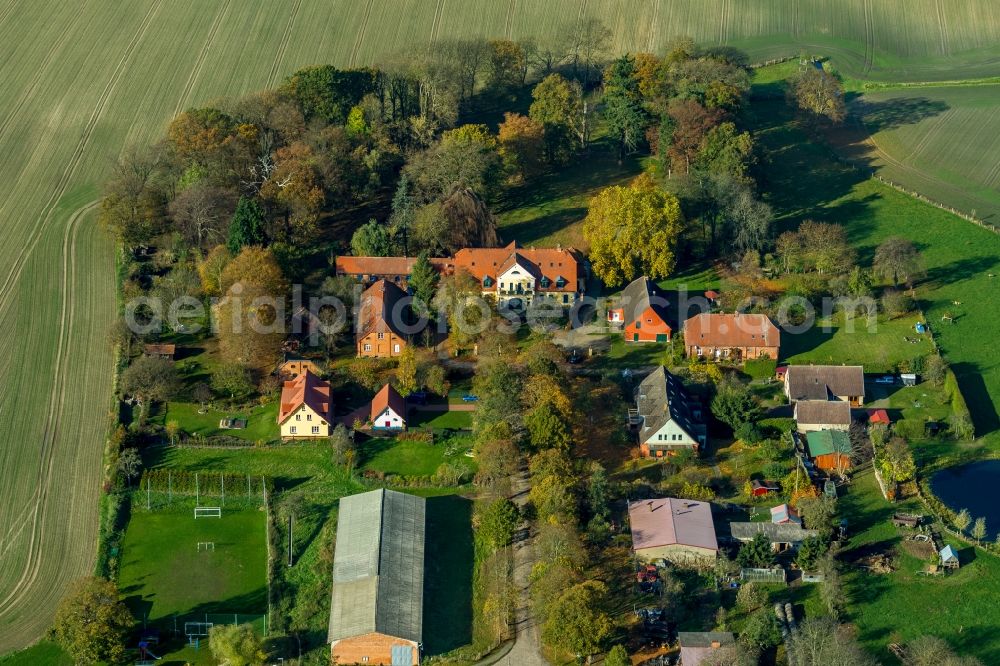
(388, 410)
(666, 417)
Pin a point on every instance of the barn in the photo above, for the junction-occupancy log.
(376, 612)
(677, 530)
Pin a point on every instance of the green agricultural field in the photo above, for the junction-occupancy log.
(68, 108)
(163, 573)
(940, 141)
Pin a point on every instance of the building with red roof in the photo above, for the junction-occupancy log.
(306, 408)
(388, 410)
(382, 318)
(676, 530)
(732, 336)
(879, 416)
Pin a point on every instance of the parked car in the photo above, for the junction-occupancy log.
(468, 397)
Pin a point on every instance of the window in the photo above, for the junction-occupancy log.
(395, 348)
(501, 285)
(309, 417)
(298, 417)
(565, 298)
(487, 282)
(315, 430)
(649, 321)
(560, 283)
(294, 429)
(546, 282)
(638, 323)
(381, 336)
(368, 348)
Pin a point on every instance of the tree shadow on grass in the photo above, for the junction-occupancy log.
(977, 397)
(448, 564)
(896, 112)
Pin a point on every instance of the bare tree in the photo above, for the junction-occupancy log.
(201, 212)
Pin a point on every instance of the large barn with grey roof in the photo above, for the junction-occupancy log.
(376, 612)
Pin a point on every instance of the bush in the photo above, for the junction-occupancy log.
(896, 303)
(749, 433)
(751, 597)
(781, 425)
(910, 429)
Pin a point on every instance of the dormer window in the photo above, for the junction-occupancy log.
(560, 283)
(545, 283)
(487, 282)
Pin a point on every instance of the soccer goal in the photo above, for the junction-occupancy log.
(208, 512)
(206, 546)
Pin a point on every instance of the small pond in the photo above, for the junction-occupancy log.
(975, 487)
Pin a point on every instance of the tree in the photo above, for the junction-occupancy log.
(247, 225)
(547, 428)
(575, 621)
(233, 379)
(236, 645)
(150, 379)
(341, 443)
(820, 641)
(328, 93)
(761, 631)
(210, 269)
(734, 404)
(407, 371)
(979, 530)
(521, 144)
(724, 149)
(423, 279)
(818, 514)
(756, 553)
(498, 461)
(199, 212)
(173, 429)
(832, 591)
(465, 158)
(617, 656)
(498, 522)
(632, 230)
(133, 205)
(935, 369)
(810, 552)
(404, 210)
(934, 651)
(751, 596)
(91, 623)
(372, 240)
(553, 499)
(467, 222)
(506, 65)
(558, 105)
(250, 317)
(623, 110)
(691, 123)
(897, 303)
(130, 462)
(898, 259)
(819, 93)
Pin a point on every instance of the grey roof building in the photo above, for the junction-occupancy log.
(825, 382)
(638, 296)
(697, 646)
(662, 401)
(378, 566)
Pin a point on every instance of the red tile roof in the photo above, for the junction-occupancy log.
(552, 263)
(348, 265)
(731, 330)
(378, 311)
(667, 521)
(306, 389)
(879, 416)
(388, 397)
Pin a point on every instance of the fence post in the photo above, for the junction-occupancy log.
(170, 489)
(223, 482)
(147, 494)
(197, 494)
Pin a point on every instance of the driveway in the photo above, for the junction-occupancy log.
(526, 650)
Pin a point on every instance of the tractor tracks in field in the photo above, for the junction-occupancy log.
(202, 57)
(653, 21)
(283, 46)
(361, 33)
(48, 210)
(57, 403)
(436, 25)
(509, 24)
(942, 17)
(869, 36)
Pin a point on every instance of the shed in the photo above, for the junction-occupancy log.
(906, 520)
(696, 646)
(165, 350)
(949, 558)
(787, 536)
(908, 379)
(830, 449)
(760, 488)
(783, 514)
(376, 610)
(879, 416)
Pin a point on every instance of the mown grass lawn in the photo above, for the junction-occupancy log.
(622, 354)
(44, 653)
(837, 340)
(163, 572)
(412, 457)
(959, 607)
(456, 420)
(262, 421)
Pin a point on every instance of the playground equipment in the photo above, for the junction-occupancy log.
(195, 631)
(146, 656)
(208, 512)
(206, 546)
